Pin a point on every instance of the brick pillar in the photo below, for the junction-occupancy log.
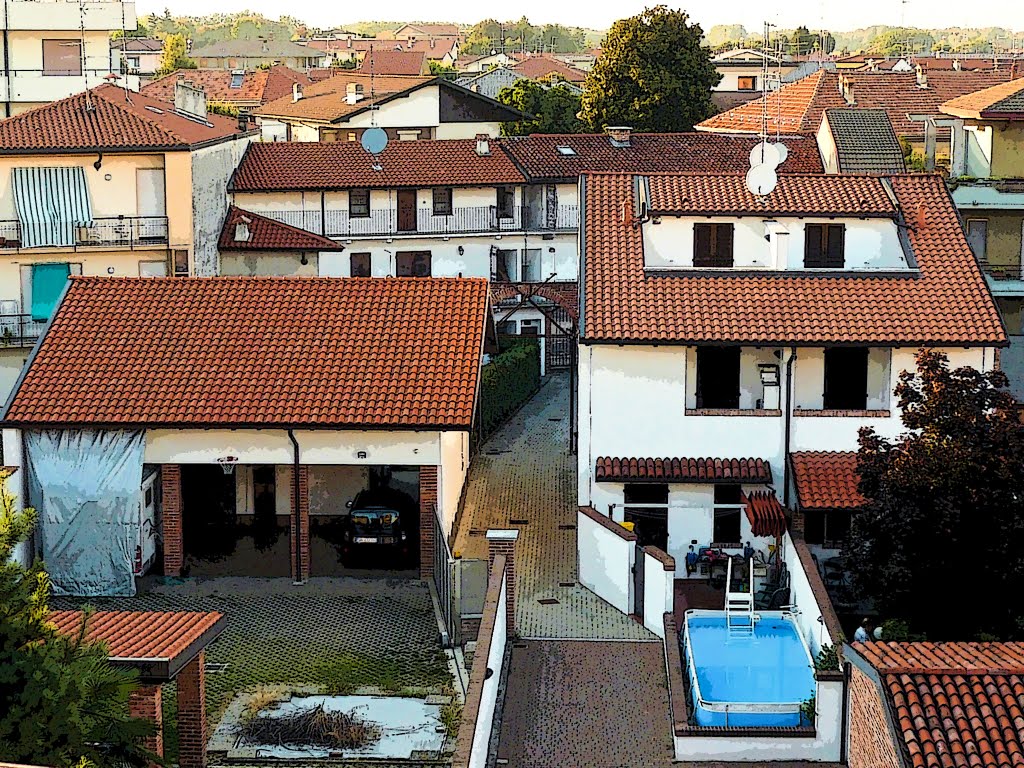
(174, 555)
(797, 525)
(428, 502)
(146, 702)
(300, 539)
(504, 542)
(192, 713)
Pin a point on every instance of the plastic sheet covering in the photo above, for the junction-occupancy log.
(85, 486)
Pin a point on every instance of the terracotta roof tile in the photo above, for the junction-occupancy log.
(109, 119)
(538, 67)
(826, 480)
(944, 658)
(831, 195)
(326, 352)
(382, 61)
(1003, 100)
(150, 635)
(257, 87)
(765, 512)
(345, 164)
(540, 158)
(681, 470)
(797, 107)
(947, 303)
(269, 235)
(326, 100)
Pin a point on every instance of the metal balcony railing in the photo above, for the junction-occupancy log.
(109, 232)
(19, 330)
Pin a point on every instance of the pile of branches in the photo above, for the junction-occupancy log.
(314, 727)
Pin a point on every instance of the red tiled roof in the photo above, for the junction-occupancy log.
(382, 61)
(766, 514)
(954, 704)
(947, 303)
(106, 118)
(797, 107)
(254, 352)
(345, 164)
(325, 100)
(1005, 100)
(822, 195)
(826, 479)
(539, 157)
(434, 48)
(538, 67)
(683, 470)
(138, 635)
(258, 86)
(270, 235)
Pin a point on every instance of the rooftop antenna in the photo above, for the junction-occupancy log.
(374, 138)
(765, 157)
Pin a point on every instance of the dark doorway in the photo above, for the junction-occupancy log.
(846, 378)
(718, 377)
(407, 210)
(650, 523)
(727, 520)
(209, 522)
(265, 528)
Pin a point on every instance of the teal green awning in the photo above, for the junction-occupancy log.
(48, 281)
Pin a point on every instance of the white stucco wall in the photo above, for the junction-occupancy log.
(979, 150)
(454, 466)
(658, 594)
(12, 360)
(489, 697)
(211, 169)
(605, 562)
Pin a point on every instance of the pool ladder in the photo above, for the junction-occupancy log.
(739, 606)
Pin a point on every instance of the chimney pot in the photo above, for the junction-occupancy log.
(619, 135)
(483, 144)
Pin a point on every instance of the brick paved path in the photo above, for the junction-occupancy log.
(525, 473)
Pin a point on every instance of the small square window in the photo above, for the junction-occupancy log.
(712, 245)
(824, 246)
(359, 203)
(567, 151)
(180, 261)
(747, 83)
(443, 201)
(359, 265)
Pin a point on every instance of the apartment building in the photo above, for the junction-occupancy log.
(106, 183)
(51, 49)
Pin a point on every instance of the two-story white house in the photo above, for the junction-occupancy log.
(721, 332)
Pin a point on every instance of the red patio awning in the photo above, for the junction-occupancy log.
(766, 514)
(682, 470)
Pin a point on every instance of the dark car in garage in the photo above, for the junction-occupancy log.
(381, 525)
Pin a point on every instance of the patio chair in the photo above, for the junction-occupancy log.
(769, 592)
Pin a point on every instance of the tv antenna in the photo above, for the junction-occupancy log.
(766, 156)
(374, 138)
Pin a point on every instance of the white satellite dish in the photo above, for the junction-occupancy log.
(761, 180)
(765, 153)
(783, 151)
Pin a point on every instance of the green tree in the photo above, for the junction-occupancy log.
(61, 702)
(653, 75)
(553, 105)
(483, 37)
(141, 30)
(174, 55)
(901, 41)
(946, 499)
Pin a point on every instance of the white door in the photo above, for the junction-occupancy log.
(149, 186)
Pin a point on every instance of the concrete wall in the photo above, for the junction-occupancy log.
(1004, 235)
(606, 558)
(262, 263)
(454, 466)
(658, 593)
(1008, 151)
(211, 169)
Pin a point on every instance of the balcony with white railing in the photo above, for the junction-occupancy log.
(18, 329)
(88, 15)
(130, 232)
(38, 85)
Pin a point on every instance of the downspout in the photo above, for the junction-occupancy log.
(295, 508)
(844, 725)
(7, 64)
(788, 414)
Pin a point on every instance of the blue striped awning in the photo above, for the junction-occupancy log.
(51, 203)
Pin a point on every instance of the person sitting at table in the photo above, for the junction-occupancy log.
(864, 631)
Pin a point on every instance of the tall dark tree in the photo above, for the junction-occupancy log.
(653, 75)
(553, 105)
(941, 542)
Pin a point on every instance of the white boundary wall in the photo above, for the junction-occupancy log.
(606, 560)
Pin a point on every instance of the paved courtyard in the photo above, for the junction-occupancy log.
(525, 478)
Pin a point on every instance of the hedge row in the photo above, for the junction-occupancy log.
(509, 380)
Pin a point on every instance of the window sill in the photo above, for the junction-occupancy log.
(835, 412)
(731, 412)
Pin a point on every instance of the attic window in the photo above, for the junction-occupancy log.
(236, 79)
(567, 151)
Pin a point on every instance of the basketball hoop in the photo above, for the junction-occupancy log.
(227, 464)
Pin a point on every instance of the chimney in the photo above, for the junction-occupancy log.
(922, 77)
(242, 233)
(353, 93)
(266, 48)
(956, 65)
(483, 144)
(189, 100)
(846, 89)
(433, 43)
(296, 92)
(619, 135)
(348, 42)
(243, 121)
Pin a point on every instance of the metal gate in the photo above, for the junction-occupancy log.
(444, 579)
(558, 344)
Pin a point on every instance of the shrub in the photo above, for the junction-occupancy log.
(508, 381)
(827, 659)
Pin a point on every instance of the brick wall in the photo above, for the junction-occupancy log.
(428, 500)
(170, 481)
(870, 740)
(300, 538)
(146, 702)
(191, 713)
(507, 549)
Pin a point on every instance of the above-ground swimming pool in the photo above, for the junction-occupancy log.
(744, 679)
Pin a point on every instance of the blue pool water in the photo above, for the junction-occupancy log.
(771, 666)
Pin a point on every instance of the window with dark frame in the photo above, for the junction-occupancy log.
(413, 263)
(712, 245)
(443, 201)
(727, 519)
(359, 203)
(824, 246)
(359, 264)
(746, 83)
(718, 377)
(506, 202)
(650, 522)
(846, 379)
(829, 527)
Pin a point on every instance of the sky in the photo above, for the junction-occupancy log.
(831, 14)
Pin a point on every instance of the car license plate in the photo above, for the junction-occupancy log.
(365, 539)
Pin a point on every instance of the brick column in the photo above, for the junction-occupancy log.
(300, 539)
(146, 702)
(174, 555)
(192, 713)
(428, 501)
(504, 542)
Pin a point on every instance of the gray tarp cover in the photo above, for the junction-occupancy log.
(85, 486)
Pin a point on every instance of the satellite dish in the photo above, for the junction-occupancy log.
(765, 153)
(374, 140)
(783, 151)
(761, 180)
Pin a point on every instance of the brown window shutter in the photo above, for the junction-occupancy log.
(836, 258)
(813, 235)
(723, 250)
(702, 245)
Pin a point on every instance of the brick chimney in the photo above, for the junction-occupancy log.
(483, 144)
(619, 135)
